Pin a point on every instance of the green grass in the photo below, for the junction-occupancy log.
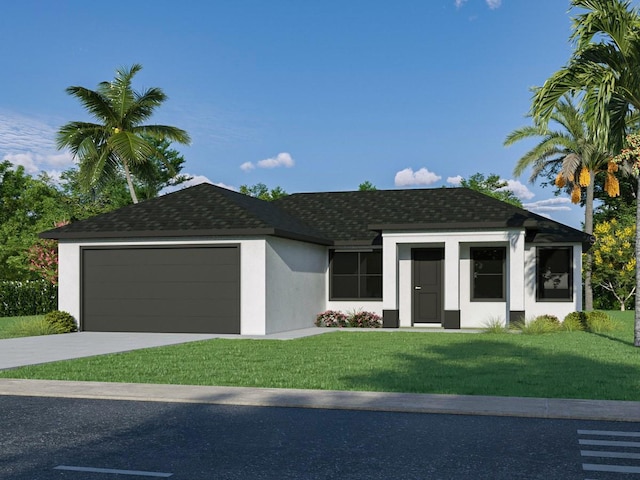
(556, 365)
(21, 326)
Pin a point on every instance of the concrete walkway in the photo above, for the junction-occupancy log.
(327, 399)
(18, 352)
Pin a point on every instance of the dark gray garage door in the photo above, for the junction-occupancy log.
(161, 289)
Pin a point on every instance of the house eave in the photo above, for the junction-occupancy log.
(154, 234)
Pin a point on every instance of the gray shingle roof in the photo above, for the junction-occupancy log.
(325, 218)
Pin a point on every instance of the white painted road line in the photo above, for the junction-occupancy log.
(138, 473)
(604, 454)
(610, 468)
(610, 433)
(609, 443)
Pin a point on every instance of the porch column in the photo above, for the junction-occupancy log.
(517, 275)
(452, 275)
(390, 306)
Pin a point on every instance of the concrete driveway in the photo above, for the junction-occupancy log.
(18, 352)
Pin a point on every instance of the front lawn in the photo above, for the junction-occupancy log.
(21, 326)
(556, 365)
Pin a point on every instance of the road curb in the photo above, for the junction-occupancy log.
(609, 410)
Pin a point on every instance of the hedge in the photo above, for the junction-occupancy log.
(35, 297)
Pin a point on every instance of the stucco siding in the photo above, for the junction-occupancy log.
(295, 284)
(560, 309)
(252, 276)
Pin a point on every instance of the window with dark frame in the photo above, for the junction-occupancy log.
(356, 275)
(488, 273)
(554, 267)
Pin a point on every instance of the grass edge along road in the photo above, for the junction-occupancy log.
(555, 365)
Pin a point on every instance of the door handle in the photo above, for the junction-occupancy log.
(417, 287)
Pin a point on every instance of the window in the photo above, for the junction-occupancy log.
(487, 273)
(554, 274)
(356, 275)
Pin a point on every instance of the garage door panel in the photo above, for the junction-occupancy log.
(186, 289)
(164, 256)
(158, 290)
(167, 324)
(150, 307)
(163, 273)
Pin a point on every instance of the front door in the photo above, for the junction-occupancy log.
(427, 285)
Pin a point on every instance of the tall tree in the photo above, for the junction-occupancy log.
(573, 155)
(614, 263)
(493, 186)
(118, 140)
(605, 66)
(28, 206)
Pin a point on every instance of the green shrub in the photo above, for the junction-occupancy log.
(36, 297)
(574, 322)
(61, 322)
(540, 325)
(30, 328)
(495, 325)
(600, 322)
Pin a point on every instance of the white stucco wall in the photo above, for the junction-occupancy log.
(560, 309)
(295, 284)
(397, 281)
(252, 275)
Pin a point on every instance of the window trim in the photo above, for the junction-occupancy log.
(570, 277)
(472, 296)
(359, 275)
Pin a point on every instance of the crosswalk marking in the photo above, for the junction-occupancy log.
(599, 453)
(609, 443)
(609, 468)
(608, 433)
(621, 450)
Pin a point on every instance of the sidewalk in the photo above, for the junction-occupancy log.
(327, 399)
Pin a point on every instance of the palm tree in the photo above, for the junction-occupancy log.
(606, 67)
(573, 156)
(116, 144)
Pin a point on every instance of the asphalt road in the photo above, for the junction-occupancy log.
(78, 439)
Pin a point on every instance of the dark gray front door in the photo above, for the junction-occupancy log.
(161, 289)
(427, 285)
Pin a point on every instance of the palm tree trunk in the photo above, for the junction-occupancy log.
(127, 175)
(588, 260)
(636, 336)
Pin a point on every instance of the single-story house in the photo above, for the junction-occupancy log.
(208, 259)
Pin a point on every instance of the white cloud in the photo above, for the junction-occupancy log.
(224, 185)
(35, 163)
(247, 166)
(408, 177)
(520, 190)
(455, 180)
(30, 142)
(492, 4)
(555, 204)
(283, 159)
(195, 180)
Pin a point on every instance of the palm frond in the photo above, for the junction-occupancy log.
(96, 104)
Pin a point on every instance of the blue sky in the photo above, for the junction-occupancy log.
(307, 95)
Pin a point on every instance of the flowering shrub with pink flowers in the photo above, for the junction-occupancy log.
(357, 319)
(365, 320)
(331, 318)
